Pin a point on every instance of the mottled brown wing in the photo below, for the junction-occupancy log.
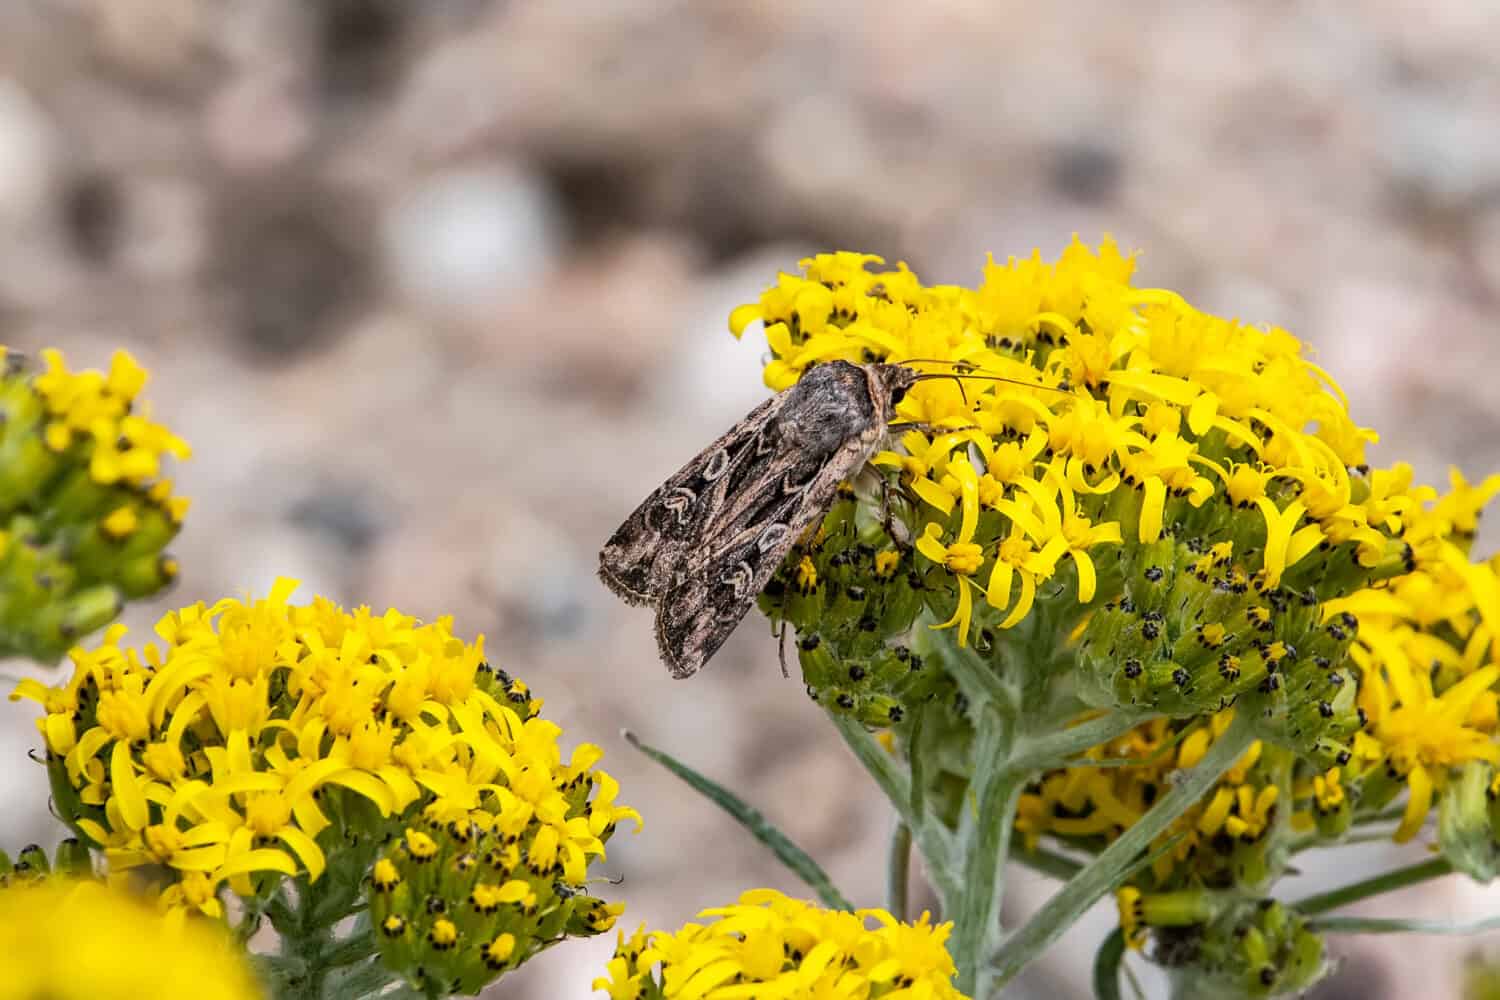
(640, 558)
(718, 583)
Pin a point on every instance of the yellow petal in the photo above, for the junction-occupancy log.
(1417, 805)
(1151, 510)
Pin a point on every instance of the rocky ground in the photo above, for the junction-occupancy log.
(438, 292)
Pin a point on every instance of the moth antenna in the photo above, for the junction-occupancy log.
(924, 376)
(968, 370)
(957, 380)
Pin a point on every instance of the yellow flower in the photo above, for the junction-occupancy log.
(262, 734)
(82, 941)
(771, 945)
(1066, 530)
(961, 557)
(1422, 735)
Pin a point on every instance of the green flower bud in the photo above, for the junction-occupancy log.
(456, 906)
(1465, 831)
(1250, 949)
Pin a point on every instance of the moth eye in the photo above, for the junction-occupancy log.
(898, 394)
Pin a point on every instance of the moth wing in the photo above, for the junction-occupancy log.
(718, 583)
(638, 561)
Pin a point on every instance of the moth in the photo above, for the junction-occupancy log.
(706, 542)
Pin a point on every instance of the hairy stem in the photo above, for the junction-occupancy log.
(985, 836)
(898, 870)
(933, 841)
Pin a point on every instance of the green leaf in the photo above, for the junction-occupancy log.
(283, 976)
(1107, 966)
(358, 981)
(795, 858)
(1052, 749)
(348, 951)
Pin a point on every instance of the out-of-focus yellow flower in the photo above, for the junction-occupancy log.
(79, 940)
(85, 514)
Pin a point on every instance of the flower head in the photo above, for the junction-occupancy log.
(260, 735)
(84, 512)
(770, 945)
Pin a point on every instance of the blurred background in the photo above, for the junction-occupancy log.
(437, 290)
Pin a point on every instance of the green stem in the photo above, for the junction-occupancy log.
(985, 836)
(1388, 882)
(898, 870)
(1101, 875)
(931, 839)
(1107, 961)
(1400, 925)
(1313, 842)
(309, 941)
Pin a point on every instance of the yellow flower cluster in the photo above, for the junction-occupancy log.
(770, 946)
(1135, 392)
(1219, 842)
(84, 516)
(99, 410)
(261, 733)
(79, 940)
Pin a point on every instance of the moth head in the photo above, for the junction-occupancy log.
(895, 380)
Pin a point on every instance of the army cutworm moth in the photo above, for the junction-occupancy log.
(705, 542)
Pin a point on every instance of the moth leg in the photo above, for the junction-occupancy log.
(781, 650)
(888, 515)
(894, 530)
